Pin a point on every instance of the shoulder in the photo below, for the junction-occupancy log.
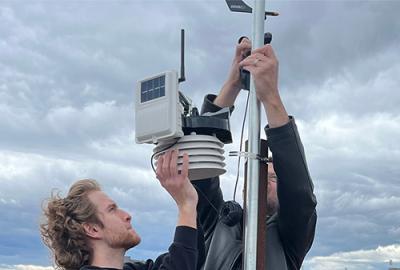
(136, 265)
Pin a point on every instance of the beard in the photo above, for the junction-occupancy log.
(272, 206)
(125, 240)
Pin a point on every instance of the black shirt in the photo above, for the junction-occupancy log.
(186, 253)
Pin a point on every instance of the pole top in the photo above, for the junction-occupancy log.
(241, 6)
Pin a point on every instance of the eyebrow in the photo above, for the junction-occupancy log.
(112, 205)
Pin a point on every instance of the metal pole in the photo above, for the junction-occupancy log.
(251, 213)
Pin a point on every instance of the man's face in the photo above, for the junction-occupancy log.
(117, 231)
(272, 196)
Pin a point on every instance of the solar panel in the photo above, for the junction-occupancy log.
(152, 89)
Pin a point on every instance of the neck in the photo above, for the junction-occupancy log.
(108, 257)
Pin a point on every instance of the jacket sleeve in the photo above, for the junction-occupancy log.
(183, 253)
(209, 205)
(296, 215)
(209, 106)
(209, 191)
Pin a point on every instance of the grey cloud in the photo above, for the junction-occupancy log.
(348, 95)
(353, 162)
(332, 36)
(95, 128)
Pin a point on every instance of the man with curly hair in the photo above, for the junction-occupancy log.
(87, 230)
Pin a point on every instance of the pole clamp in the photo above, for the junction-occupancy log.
(250, 155)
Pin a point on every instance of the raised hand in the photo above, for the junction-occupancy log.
(178, 185)
(233, 84)
(263, 66)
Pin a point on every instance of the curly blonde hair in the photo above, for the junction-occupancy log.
(62, 231)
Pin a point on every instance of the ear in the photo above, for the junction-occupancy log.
(92, 230)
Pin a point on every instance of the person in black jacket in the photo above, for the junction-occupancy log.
(291, 202)
(87, 230)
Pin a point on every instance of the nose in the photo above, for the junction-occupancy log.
(126, 216)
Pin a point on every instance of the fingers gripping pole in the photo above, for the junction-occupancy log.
(251, 213)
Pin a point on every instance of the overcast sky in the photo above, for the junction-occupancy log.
(68, 71)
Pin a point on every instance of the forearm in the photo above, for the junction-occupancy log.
(187, 216)
(233, 84)
(227, 95)
(275, 111)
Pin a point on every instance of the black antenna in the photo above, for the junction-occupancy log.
(182, 78)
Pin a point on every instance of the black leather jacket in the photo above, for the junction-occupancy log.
(290, 232)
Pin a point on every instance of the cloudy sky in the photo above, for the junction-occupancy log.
(68, 71)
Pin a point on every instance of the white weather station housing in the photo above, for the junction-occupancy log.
(158, 111)
(165, 117)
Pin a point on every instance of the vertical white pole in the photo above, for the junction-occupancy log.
(251, 217)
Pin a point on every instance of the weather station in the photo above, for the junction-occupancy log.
(165, 117)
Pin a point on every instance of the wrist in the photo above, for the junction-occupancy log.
(227, 95)
(187, 208)
(271, 99)
(275, 112)
(187, 217)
